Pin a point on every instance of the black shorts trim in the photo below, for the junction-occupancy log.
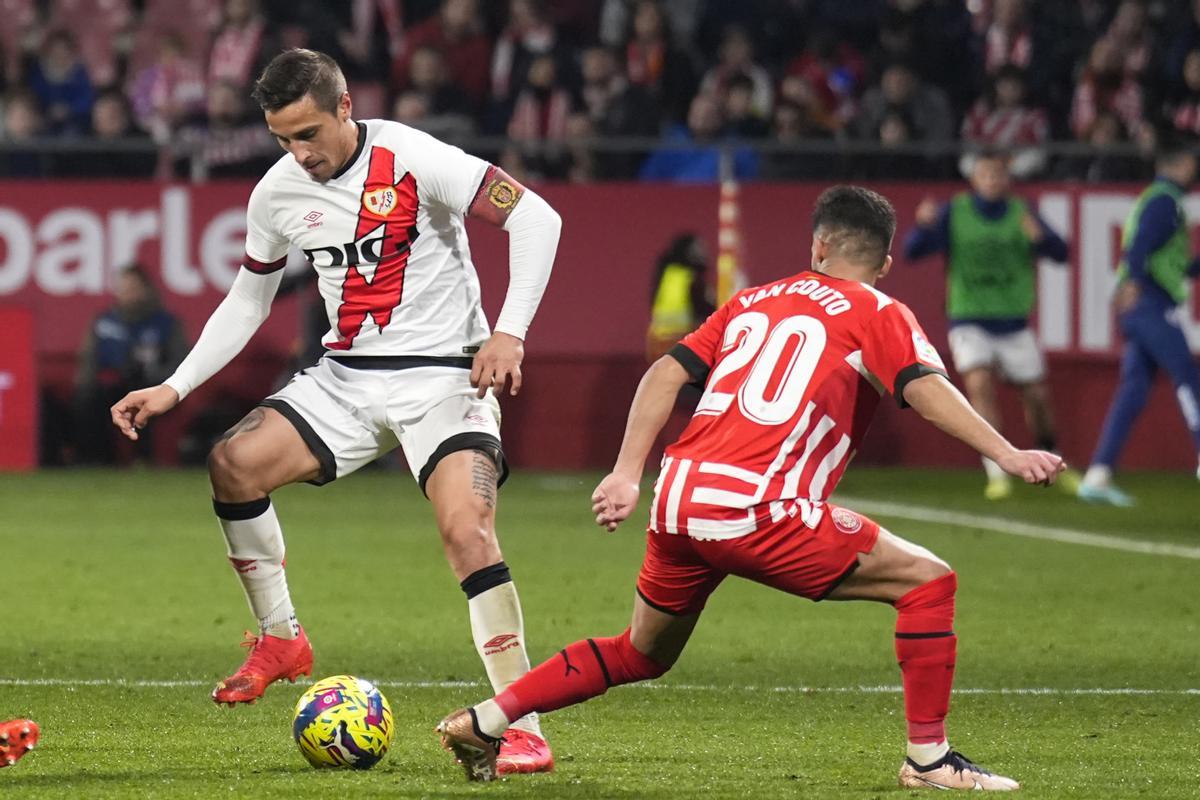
(657, 607)
(836, 582)
(692, 363)
(469, 440)
(316, 445)
(909, 374)
(402, 362)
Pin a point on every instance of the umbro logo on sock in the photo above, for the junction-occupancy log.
(498, 644)
(243, 565)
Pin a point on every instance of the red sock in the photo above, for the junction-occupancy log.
(581, 671)
(925, 646)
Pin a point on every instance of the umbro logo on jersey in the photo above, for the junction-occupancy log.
(313, 218)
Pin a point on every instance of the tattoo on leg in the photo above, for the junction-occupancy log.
(246, 424)
(484, 478)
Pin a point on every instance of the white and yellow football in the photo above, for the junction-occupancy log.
(343, 721)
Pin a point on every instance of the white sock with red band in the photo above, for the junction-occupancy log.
(255, 546)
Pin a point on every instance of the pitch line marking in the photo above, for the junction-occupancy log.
(659, 687)
(1015, 528)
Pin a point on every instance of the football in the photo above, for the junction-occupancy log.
(343, 721)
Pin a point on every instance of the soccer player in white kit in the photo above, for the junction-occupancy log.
(378, 210)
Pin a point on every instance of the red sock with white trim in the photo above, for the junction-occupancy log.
(926, 647)
(579, 672)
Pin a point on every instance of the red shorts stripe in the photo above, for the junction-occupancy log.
(679, 572)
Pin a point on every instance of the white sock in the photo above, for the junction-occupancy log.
(491, 719)
(993, 470)
(255, 546)
(926, 754)
(1098, 475)
(499, 633)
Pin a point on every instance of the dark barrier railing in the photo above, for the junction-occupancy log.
(615, 158)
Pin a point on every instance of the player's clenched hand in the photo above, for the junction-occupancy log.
(1033, 466)
(135, 409)
(498, 362)
(614, 500)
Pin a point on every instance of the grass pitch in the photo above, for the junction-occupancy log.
(122, 612)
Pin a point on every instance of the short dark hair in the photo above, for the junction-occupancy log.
(1171, 146)
(298, 72)
(858, 223)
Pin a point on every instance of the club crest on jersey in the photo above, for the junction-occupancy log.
(926, 352)
(381, 202)
(846, 521)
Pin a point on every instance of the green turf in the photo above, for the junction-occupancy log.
(121, 576)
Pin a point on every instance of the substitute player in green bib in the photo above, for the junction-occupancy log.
(992, 240)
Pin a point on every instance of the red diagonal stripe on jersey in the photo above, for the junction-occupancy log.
(397, 230)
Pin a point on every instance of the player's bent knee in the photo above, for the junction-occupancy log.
(231, 469)
(930, 569)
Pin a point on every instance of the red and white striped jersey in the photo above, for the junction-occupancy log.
(793, 372)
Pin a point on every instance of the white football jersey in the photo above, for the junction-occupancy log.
(387, 240)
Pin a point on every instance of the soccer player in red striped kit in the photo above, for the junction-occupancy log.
(793, 372)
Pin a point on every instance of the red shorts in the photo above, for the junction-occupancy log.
(679, 572)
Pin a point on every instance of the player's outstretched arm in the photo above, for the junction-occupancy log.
(617, 495)
(936, 399)
(231, 325)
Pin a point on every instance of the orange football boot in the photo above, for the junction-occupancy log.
(17, 737)
(271, 659)
(522, 751)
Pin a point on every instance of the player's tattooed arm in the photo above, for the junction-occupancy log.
(484, 478)
(496, 198)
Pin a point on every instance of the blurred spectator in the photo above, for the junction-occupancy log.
(693, 153)
(231, 139)
(792, 125)
(1002, 120)
(818, 122)
(741, 117)
(898, 161)
(372, 38)
(901, 91)
(527, 37)
(1105, 136)
(539, 119)
(1008, 39)
(23, 122)
(112, 122)
(1185, 39)
(682, 16)
(681, 297)
(1183, 108)
(834, 71)
(1104, 86)
(133, 344)
(614, 108)
(168, 91)
(457, 32)
(736, 62)
(1131, 37)
(242, 46)
(447, 107)
(583, 166)
(60, 81)
(655, 63)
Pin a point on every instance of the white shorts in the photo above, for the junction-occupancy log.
(349, 416)
(1016, 354)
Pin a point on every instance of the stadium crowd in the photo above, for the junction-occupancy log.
(164, 80)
